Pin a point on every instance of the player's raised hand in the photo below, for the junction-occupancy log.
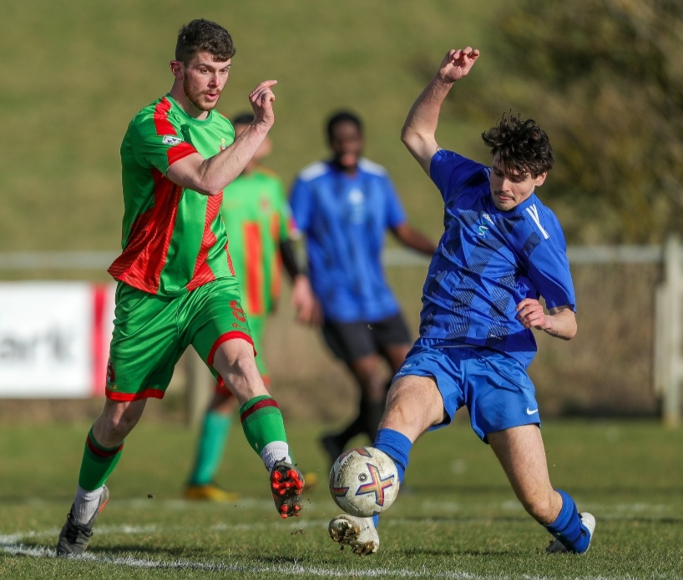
(457, 63)
(261, 99)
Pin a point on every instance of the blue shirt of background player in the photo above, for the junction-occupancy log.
(345, 219)
(487, 261)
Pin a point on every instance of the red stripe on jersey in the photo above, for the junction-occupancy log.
(227, 337)
(253, 262)
(144, 257)
(230, 265)
(165, 127)
(179, 151)
(264, 403)
(276, 267)
(202, 272)
(144, 394)
(161, 122)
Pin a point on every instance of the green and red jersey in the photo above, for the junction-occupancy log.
(173, 238)
(257, 218)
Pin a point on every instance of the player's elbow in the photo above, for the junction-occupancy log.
(409, 137)
(208, 187)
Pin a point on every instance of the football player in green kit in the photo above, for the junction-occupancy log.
(176, 285)
(258, 221)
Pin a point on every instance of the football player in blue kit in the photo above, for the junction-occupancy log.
(345, 206)
(501, 251)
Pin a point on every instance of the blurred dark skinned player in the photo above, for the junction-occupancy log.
(344, 206)
(501, 250)
(176, 284)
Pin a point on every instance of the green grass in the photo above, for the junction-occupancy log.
(457, 517)
(75, 73)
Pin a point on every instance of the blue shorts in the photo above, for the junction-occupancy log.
(495, 387)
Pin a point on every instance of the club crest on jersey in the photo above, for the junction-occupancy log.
(483, 228)
(223, 144)
(171, 140)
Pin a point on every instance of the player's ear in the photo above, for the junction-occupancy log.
(540, 179)
(176, 68)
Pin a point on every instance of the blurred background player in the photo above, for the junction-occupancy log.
(258, 223)
(501, 250)
(176, 287)
(344, 206)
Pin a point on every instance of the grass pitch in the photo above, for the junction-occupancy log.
(456, 517)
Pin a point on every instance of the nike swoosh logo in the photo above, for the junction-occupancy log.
(531, 412)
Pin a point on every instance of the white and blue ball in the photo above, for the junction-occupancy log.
(364, 481)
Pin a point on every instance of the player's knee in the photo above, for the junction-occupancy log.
(113, 430)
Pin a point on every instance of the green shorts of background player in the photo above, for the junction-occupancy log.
(150, 334)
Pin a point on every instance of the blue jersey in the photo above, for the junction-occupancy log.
(487, 261)
(345, 219)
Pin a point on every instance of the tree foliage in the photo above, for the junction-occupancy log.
(605, 79)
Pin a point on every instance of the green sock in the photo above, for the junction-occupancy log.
(98, 463)
(212, 440)
(262, 422)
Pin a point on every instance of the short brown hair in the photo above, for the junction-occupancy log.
(203, 35)
(521, 144)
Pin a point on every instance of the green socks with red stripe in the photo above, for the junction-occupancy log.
(264, 429)
(98, 463)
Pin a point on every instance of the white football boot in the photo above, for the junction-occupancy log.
(357, 532)
(588, 521)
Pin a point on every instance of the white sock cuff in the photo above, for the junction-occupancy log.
(273, 453)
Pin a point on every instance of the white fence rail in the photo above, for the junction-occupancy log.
(668, 343)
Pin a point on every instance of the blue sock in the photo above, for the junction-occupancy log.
(567, 527)
(397, 447)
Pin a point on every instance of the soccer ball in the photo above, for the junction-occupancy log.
(364, 481)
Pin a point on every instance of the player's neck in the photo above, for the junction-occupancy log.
(186, 105)
(348, 170)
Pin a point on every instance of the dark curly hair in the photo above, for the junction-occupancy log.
(521, 144)
(203, 35)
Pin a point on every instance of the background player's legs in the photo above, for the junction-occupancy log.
(367, 373)
(521, 452)
(210, 446)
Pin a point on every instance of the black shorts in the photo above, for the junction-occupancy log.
(351, 341)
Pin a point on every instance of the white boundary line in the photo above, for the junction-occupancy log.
(11, 544)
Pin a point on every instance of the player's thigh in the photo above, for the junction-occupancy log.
(215, 316)
(499, 393)
(257, 325)
(145, 345)
(445, 371)
(414, 404)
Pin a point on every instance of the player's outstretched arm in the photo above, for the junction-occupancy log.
(210, 176)
(419, 130)
(412, 238)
